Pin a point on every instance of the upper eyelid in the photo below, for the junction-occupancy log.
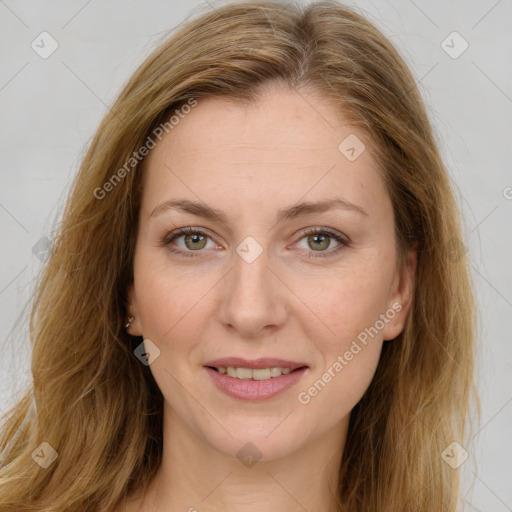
(187, 231)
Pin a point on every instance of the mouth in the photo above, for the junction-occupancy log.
(254, 373)
(254, 379)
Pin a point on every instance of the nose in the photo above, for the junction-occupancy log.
(254, 300)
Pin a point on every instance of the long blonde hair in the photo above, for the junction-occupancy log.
(100, 408)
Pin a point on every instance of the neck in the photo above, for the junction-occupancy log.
(195, 477)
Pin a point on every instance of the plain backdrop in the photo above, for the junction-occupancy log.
(50, 108)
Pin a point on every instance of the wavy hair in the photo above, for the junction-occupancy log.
(101, 410)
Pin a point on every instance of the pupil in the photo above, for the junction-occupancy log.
(318, 239)
(193, 239)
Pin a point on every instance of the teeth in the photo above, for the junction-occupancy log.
(244, 373)
(261, 374)
(275, 372)
(256, 374)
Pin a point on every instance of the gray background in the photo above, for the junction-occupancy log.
(51, 107)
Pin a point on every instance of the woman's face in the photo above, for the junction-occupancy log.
(291, 302)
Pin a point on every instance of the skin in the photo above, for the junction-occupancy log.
(289, 303)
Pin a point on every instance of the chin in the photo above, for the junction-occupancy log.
(254, 439)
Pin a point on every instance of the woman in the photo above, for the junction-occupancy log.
(256, 297)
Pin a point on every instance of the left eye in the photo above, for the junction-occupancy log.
(317, 240)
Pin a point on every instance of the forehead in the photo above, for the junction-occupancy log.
(282, 121)
(285, 145)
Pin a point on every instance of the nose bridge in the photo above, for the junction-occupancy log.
(252, 299)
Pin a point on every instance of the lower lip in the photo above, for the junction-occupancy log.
(249, 389)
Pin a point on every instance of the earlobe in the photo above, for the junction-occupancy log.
(407, 279)
(132, 322)
(402, 297)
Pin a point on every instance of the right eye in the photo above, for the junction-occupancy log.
(194, 240)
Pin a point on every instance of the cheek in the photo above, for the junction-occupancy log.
(342, 385)
(351, 307)
(347, 369)
(345, 304)
(167, 299)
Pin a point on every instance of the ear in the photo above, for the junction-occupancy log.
(135, 328)
(402, 293)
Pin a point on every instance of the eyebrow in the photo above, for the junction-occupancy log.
(293, 212)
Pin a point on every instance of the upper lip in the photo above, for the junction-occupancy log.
(263, 362)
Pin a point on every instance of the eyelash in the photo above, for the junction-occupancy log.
(309, 231)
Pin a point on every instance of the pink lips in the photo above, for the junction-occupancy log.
(249, 389)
